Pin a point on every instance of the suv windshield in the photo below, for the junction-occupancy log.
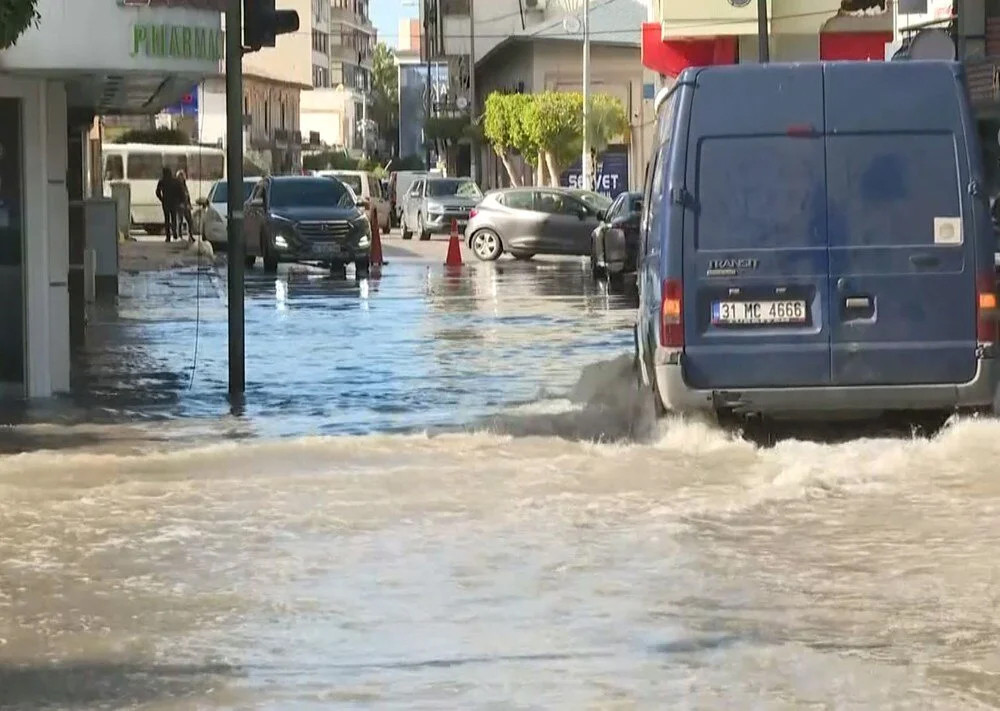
(352, 181)
(221, 192)
(319, 192)
(453, 188)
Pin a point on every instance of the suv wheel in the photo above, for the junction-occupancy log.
(405, 228)
(424, 234)
(270, 260)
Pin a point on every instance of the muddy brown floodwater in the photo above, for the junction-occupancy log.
(540, 545)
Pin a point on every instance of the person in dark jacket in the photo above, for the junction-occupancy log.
(185, 214)
(168, 192)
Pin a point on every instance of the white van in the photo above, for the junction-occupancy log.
(141, 166)
(366, 186)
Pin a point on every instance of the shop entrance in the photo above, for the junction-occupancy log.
(12, 346)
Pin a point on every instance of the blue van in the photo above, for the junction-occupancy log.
(817, 243)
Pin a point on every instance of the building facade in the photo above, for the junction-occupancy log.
(686, 33)
(53, 82)
(530, 47)
(272, 132)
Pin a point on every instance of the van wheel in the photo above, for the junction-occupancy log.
(405, 228)
(424, 234)
(250, 262)
(654, 393)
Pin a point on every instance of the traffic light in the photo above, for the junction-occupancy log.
(262, 23)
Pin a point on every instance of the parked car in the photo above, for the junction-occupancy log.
(829, 254)
(615, 245)
(432, 204)
(400, 183)
(368, 188)
(529, 221)
(215, 208)
(294, 218)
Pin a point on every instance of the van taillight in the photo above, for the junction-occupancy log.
(672, 314)
(986, 308)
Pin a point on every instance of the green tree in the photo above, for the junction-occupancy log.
(607, 121)
(501, 128)
(555, 123)
(385, 95)
(15, 17)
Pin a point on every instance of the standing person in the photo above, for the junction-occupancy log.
(168, 192)
(184, 211)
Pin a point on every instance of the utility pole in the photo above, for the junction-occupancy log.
(263, 25)
(472, 88)
(234, 209)
(585, 171)
(427, 109)
(763, 47)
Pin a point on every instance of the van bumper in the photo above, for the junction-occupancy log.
(678, 396)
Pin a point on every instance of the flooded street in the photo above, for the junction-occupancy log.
(443, 494)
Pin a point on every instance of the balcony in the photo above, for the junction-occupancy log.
(340, 14)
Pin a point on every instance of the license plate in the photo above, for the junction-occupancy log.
(326, 250)
(758, 312)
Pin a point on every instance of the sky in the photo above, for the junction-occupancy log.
(386, 15)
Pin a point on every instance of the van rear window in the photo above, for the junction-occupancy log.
(887, 190)
(760, 191)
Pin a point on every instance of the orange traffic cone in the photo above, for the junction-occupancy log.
(454, 258)
(376, 261)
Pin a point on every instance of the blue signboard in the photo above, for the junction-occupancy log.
(611, 174)
(187, 106)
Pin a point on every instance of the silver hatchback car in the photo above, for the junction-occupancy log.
(528, 221)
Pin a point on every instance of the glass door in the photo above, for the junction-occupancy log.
(12, 346)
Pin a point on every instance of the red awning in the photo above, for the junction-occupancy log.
(671, 57)
(835, 46)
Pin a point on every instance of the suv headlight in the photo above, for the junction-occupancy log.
(435, 208)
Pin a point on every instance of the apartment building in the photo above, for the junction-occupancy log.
(537, 45)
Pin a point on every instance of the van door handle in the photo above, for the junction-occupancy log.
(924, 260)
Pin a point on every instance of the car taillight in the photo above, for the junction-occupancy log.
(672, 314)
(473, 212)
(986, 308)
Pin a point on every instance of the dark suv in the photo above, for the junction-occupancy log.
(293, 218)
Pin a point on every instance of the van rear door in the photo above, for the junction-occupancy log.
(901, 226)
(756, 271)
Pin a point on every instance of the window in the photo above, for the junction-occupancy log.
(114, 168)
(145, 166)
(374, 186)
(320, 42)
(175, 163)
(558, 204)
(313, 192)
(654, 183)
(520, 200)
(206, 167)
(351, 180)
(458, 188)
(454, 7)
(267, 115)
(417, 189)
(617, 208)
